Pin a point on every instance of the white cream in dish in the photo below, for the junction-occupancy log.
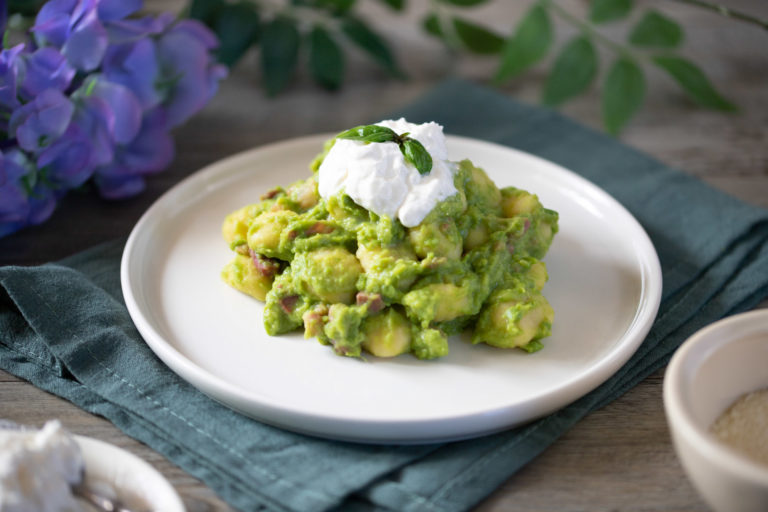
(377, 177)
(38, 468)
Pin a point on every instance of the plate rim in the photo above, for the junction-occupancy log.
(325, 425)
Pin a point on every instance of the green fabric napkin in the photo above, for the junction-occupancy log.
(64, 328)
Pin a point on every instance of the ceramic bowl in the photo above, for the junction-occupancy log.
(711, 370)
(137, 484)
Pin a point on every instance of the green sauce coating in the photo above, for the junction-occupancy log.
(359, 282)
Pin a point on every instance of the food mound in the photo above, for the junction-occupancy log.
(361, 281)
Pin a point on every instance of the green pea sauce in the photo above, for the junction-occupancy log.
(360, 282)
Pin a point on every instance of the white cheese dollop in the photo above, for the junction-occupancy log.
(37, 468)
(377, 177)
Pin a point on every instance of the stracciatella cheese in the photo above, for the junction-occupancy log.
(37, 469)
(377, 177)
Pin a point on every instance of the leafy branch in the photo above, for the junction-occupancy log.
(322, 29)
(650, 41)
(727, 12)
(282, 28)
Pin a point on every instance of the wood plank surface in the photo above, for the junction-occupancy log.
(617, 459)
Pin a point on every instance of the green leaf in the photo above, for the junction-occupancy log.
(655, 29)
(237, 26)
(25, 7)
(602, 11)
(529, 44)
(431, 24)
(357, 31)
(623, 93)
(477, 39)
(326, 60)
(573, 71)
(279, 53)
(397, 5)
(464, 3)
(370, 133)
(416, 154)
(694, 82)
(335, 7)
(205, 10)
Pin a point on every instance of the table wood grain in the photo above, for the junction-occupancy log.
(619, 458)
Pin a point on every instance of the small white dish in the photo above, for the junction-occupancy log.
(711, 370)
(136, 484)
(605, 288)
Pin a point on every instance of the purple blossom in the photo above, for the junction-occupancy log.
(45, 118)
(135, 65)
(46, 68)
(74, 27)
(151, 151)
(93, 96)
(11, 73)
(113, 10)
(134, 29)
(190, 78)
(22, 201)
(13, 199)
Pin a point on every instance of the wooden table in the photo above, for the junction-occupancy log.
(618, 458)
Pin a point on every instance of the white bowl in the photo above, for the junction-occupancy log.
(712, 369)
(138, 485)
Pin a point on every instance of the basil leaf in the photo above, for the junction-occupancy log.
(369, 133)
(573, 71)
(432, 25)
(372, 43)
(464, 3)
(528, 45)
(326, 60)
(415, 153)
(477, 39)
(694, 82)
(602, 11)
(623, 93)
(237, 26)
(279, 53)
(655, 29)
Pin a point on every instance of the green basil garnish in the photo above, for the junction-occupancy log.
(412, 149)
(415, 153)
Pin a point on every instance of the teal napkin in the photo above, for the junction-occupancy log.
(64, 327)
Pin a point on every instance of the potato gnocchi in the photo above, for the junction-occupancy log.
(358, 281)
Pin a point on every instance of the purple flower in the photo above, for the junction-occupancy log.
(132, 30)
(11, 74)
(190, 79)
(74, 27)
(22, 200)
(151, 151)
(42, 120)
(13, 199)
(95, 96)
(135, 66)
(125, 109)
(112, 10)
(45, 68)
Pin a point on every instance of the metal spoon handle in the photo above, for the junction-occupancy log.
(97, 500)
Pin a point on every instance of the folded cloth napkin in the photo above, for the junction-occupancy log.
(64, 328)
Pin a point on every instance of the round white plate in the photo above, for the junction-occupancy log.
(605, 288)
(125, 476)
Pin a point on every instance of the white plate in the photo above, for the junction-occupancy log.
(605, 287)
(137, 484)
